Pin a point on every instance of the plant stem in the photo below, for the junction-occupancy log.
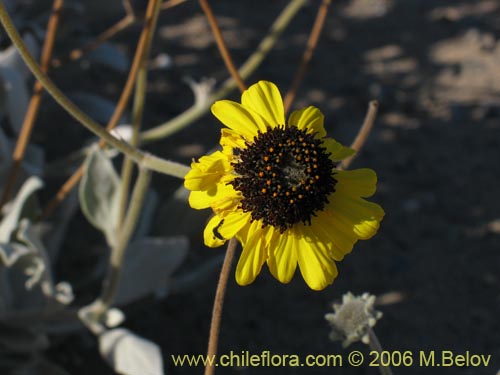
(113, 275)
(34, 104)
(213, 338)
(253, 62)
(375, 345)
(363, 133)
(312, 42)
(221, 45)
(138, 106)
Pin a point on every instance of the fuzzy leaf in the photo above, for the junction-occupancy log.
(11, 58)
(11, 252)
(15, 213)
(130, 354)
(99, 194)
(148, 266)
(16, 96)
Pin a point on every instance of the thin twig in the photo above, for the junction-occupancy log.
(34, 104)
(213, 338)
(308, 53)
(221, 45)
(363, 133)
(120, 108)
(374, 344)
(253, 62)
(129, 8)
(77, 53)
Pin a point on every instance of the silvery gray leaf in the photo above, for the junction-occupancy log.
(111, 56)
(10, 57)
(149, 265)
(123, 132)
(64, 293)
(17, 96)
(11, 252)
(99, 194)
(16, 207)
(97, 107)
(129, 354)
(37, 263)
(114, 317)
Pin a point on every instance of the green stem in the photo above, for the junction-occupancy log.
(196, 111)
(112, 281)
(154, 163)
(138, 107)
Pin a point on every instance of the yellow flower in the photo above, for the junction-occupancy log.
(275, 188)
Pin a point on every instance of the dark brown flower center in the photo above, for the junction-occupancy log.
(285, 176)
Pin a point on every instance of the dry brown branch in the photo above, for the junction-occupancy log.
(308, 53)
(34, 104)
(363, 133)
(221, 45)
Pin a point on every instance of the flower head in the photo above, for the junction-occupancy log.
(275, 188)
(353, 319)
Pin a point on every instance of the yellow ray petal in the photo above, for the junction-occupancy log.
(210, 234)
(238, 118)
(265, 99)
(207, 171)
(310, 119)
(221, 196)
(337, 237)
(282, 261)
(362, 216)
(357, 182)
(323, 233)
(337, 150)
(234, 221)
(230, 138)
(316, 266)
(253, 256)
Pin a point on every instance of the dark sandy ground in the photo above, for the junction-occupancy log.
(435, 68)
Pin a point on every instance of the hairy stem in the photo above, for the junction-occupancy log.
(213, 338)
